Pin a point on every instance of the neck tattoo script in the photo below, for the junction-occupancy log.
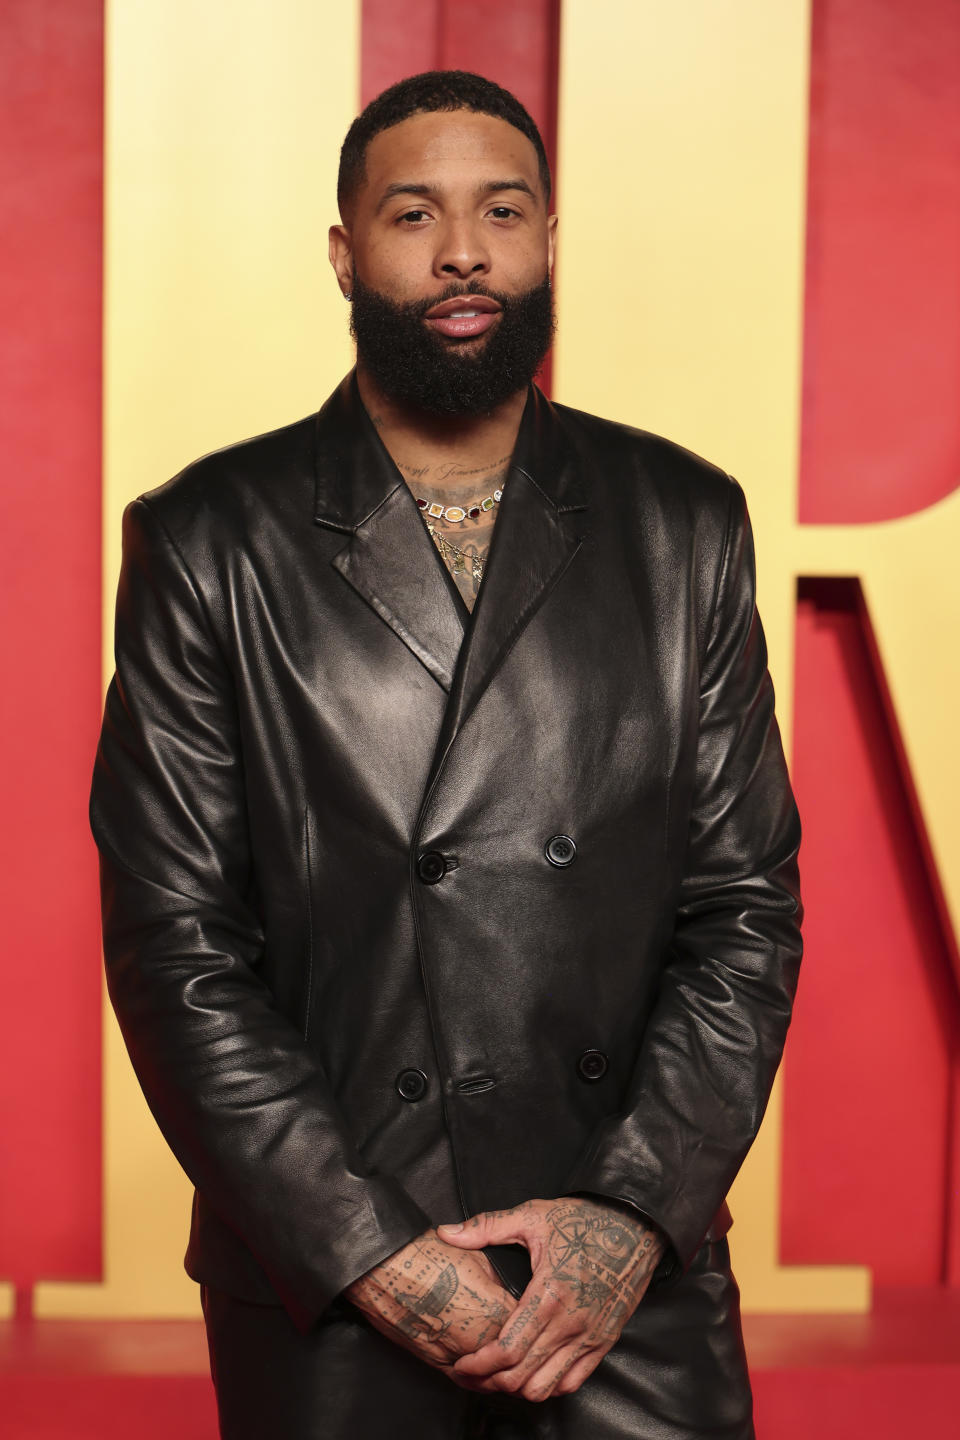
(463, 545)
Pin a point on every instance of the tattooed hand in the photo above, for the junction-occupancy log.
(592, 1263)
(435, 1300)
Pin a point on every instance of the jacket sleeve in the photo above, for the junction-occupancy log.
(711, 1048)
(239, 1097)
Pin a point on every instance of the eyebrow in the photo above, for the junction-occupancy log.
(489, 187)
(492, 186)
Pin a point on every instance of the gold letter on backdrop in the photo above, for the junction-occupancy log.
(222, 320)
(680, 290)
(682, 183)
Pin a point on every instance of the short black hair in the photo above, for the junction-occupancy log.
(431, 91)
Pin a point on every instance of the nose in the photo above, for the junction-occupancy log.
(461, 251)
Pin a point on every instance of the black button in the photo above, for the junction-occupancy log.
(411, 1085)
(592, 1065)
(560, 850)
(431, 867)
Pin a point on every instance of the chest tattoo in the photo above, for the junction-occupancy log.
(459, 506)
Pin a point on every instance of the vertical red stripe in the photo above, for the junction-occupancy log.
(881, 423)
(514, 42)
(868, 1112)
(50, 660)
(873, 1063)
(399, 37)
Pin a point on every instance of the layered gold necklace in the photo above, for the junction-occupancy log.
(456, 559)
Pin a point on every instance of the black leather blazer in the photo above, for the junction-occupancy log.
(363, 984)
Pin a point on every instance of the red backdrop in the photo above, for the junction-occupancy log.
(871, 1125)
(51, 85)
(871, 1067)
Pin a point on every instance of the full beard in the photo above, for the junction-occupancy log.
(429, 372)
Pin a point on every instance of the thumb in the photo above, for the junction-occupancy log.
(489, 1227)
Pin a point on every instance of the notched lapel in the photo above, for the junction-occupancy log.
(388, 563)
(539, 529)
(389, 559)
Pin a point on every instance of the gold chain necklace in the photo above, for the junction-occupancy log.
(459, 558)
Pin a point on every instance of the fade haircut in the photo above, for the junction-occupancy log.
(428, 92)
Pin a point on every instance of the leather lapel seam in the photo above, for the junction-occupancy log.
(389, 561)
(350, 528)
(558, 509)
(522, 620)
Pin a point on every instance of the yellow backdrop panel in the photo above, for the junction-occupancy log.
(680, 282)
(224, 122)
(682, 159)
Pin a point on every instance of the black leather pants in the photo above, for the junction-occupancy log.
(678, 1370)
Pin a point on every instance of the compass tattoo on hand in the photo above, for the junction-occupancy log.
(592, 1261)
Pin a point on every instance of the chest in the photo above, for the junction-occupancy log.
(578, 680)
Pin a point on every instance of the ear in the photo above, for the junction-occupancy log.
(341, 257)
(551, 241)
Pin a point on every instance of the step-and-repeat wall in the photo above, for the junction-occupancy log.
(760, 218)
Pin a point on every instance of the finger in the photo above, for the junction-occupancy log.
(564, 1371)
(511, 1346)
(489, 1227)
(467, 1382)
(544, 1358)
(579, 1371)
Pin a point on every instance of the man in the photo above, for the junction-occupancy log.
(448, 853)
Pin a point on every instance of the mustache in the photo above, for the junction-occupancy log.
(416, 309)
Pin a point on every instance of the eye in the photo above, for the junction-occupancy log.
(615, 1239)
(413, 217)
(504, 212)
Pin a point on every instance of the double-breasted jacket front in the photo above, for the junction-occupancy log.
(410, 913)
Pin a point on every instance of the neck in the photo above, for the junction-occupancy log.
(423, 443)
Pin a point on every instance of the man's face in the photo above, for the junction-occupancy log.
(447, 253)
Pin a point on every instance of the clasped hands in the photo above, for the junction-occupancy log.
(591, 1263)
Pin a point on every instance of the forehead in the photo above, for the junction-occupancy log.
(446, 148)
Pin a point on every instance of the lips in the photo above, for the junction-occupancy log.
(463, 316)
